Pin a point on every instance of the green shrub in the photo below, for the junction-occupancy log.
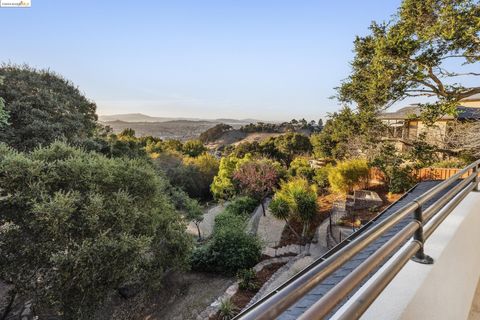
(347, 175)
(300, 167)
(85, 225)
(400, 180)
(246, 279)
(295, 200)
(193, 175)
(193, 148)
(242, 206)
(3, 114)
(321, 178)
(222, 186)
(214, 133)
(397, 174)
(202, 258)
(280, 207)
(42, 107)
(230, 248)
(421, 153)
(227, 309)
(227, 220)
(292, 144)
(449, 164)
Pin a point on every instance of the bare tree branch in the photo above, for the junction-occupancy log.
(460, 56)
(464, 136)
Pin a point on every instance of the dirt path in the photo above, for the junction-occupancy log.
(183, 297)
(198, 292)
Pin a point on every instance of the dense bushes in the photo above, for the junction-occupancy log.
(421, 153)
(230, 248)
(261, 127)
(300, 167)
(449, 164)
(257, 179)
(397, 173)
(214, 133)
(347, 175)
(43, 107)
(223, 186)
(3, 113)
(283, 148)
(292, 144)
(295, 200)
(75, 225)
(193, 175)
(400, 179)
(321, 178)
(242, 206)
(193, 148)
(246, 279)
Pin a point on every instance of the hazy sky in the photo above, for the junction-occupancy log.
(266, 59)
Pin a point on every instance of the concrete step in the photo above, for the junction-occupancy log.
(270, 252)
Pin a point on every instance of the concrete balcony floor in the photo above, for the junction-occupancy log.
(475, 308)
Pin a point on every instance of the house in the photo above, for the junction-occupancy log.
(403, 125)
(472, 101)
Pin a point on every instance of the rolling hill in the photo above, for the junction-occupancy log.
(167, 128)
(140, 117)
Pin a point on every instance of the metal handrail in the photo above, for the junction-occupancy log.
(289, 293)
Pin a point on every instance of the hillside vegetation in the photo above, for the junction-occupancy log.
(88, 214)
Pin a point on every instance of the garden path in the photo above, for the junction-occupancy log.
(269, 228)
(206, 226)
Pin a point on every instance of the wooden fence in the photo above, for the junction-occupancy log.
(376, 176)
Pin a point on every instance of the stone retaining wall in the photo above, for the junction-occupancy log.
(263, 290)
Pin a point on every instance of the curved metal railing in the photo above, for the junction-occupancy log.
(276, 302)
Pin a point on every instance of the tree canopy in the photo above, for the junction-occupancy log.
(257, 179)
(426, 50)
(223, 186)
(43, 107)
(3, 113)
(291, 144)
(193, 148)
(295, 200)
(193, 175)
(214, 133)
(61, 206)
(347, 133)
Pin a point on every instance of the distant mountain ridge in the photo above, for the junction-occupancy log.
(140, 117)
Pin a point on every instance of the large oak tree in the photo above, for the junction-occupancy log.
(429, 49)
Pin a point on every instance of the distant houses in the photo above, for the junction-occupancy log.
(404, 125)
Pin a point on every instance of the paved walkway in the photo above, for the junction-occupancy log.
(206, 226)
(269, 229)
(322, 245)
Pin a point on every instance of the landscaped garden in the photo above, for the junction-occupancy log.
(97, 224)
